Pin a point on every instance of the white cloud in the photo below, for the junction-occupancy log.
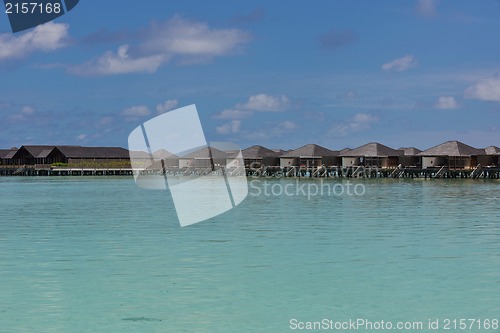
(184, 37)
(119, 63)
(233, 114)
(191, 41)
(46, 37)
(232, 127)
(426, 8)
(287, 125)
(447, 103)
(166, 106)
(401, 64)
(27, 110)
(136, 111)
(486, 89)
(359, 122)
(23, 114)
(264, 102)
(82, 137)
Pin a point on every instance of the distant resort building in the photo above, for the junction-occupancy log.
(409, 157)
(310, 155)
(203, 158)
(48, 155)
(454, 155)
(448, 159)
(372, 154)
(257, 156)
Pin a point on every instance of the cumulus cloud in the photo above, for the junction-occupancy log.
(166, 106)
(287, 125)
(338, 38)
(447, 103)
(266, 103)
(27, 110)
(401, 64)
(426, 8)
(46, 38)
(232, 127)
(359, 122)
(233, 114)
(135, 112)
(118, 63)
(486, 89)
(187, 40)
(23, 114)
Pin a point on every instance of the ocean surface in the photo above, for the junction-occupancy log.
(81, 254)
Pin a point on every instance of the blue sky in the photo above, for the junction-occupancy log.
(281, 74)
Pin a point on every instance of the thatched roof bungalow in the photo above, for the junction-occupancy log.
(409, 157)
(204, 157)
(492, 157)
(310, 155)
(6, 155)
(452, 154)
(372, 154)
(256, 156)
(39, 154)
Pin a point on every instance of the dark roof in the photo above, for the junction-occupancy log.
(410, 151)
(257, 151)
(344, 150)
(5, 152)
(94, 152)
(203, 153)
(311, 150)
(492, 150)
(452, 148)
(35, 151)
(372, 149)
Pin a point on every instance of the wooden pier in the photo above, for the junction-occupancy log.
(265, 171)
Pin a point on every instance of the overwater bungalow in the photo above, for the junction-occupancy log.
(169, 159)
(454, 155)
(492, 157)
(372, 154)
(203, 158)
(31, 155)
(409, 157)
(4, 160)
(76, 155)
(310, 155)
(256, 156)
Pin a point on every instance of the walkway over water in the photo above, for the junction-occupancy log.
(277, 172)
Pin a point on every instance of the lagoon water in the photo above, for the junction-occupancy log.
(101, 255)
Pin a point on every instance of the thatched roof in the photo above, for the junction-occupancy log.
(5, 152)
(163, 154)
(256, 152)
(311, 150)
(344, 150)
(39, 151)
(492, 150)
(204, 153)
(372, 149)
(452, 148)
(410, 151)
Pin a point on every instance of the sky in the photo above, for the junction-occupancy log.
(276, 73)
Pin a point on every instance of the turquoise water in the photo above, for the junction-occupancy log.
(101, 255)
